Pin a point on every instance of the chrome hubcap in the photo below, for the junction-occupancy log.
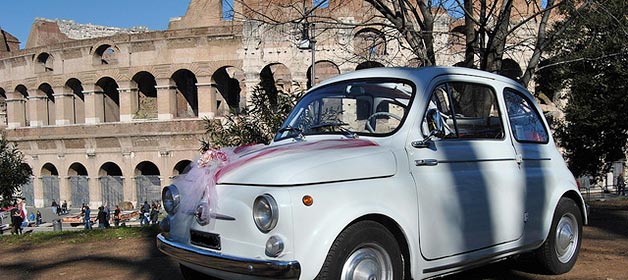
(370, 262)
(566, 237)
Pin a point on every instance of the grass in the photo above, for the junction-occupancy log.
(83, 236)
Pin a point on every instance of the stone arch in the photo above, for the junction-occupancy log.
(3, 107)
(111, 99)
(182, 167)
(49, 107)
(50, 181)
(22, 92)
(457, 39)
(78, 180)
(323, 70)
(144, 103)
(49, 169)
(414, 63)
(187, 93)
(43, 62)
(75, 86)
(146, 168)
(77, 169)
(111, 184)
(369, 42)
(274, 78)
(147, 182)
(227, 80)
(110, 169)
(368, 64)
(511, 69)
(105, 54)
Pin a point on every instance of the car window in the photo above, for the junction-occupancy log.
(469, 111)
(360, 107)
(525, 121)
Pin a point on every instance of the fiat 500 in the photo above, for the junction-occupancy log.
(386, 173)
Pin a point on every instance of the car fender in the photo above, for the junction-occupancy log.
(336, 206)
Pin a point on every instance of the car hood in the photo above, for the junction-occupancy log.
(302, 163)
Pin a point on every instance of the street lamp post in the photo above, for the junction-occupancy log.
(308, 42)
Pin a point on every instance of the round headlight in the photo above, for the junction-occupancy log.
(170, 198)
(265, 213)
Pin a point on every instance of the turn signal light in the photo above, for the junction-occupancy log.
(307, 200)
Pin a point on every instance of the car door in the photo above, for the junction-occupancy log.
(468, 182)
(533, 146)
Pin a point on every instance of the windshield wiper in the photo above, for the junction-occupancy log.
(339, 125)
(297, 132)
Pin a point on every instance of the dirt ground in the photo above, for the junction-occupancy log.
(604, 255)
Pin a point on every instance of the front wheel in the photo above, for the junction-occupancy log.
(365, 250)
(559, 252)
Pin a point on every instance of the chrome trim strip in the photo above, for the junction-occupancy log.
(477, 160)
(259, 269)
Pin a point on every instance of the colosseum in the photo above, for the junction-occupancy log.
(106, 115)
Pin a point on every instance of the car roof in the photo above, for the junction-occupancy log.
(422, 75)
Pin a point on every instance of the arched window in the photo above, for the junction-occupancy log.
(369, 42)
(105, 54)
(43, 63)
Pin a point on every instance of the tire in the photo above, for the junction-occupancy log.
(362, 251)
(559, 252)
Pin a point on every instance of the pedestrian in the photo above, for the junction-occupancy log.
(116, 216)
(101, 217)
(145, 213)
(107, 216)
(64, 207)
(86, 213)
(55, 207)
(621, 185)
(154, 214)
(16, 221)
(23, 212)
(38, 219)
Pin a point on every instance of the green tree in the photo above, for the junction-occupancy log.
(256, 124)
(13, 171)
(590, 64)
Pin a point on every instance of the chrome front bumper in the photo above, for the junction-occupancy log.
(234, 267)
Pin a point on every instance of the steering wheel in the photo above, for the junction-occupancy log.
(376, 114)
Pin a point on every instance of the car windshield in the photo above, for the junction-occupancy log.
(350, 108)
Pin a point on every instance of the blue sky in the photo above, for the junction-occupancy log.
(18, 15)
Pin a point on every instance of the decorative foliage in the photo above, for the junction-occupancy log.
(13, 171)
(590, 63)
(256, 124)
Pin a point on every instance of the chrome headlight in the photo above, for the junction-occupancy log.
(274, 246)
(265, 213)
(170, 198)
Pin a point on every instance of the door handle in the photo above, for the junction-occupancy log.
(426, 162)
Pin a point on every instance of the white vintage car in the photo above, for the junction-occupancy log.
(385, 173)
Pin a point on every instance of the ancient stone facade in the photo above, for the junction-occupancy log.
(103, 120)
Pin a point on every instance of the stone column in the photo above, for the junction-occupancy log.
(64, 107)
(94, 105)
(128, 100)
(38, 110)
(166, 99)
(206, 98)
(16, 112)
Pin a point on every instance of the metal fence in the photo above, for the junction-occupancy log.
(112, 190)
(148, 188)
(79, 189)
(28, 192)
(51, 189)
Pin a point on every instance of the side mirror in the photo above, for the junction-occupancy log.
(436, 127)
(435, 123)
